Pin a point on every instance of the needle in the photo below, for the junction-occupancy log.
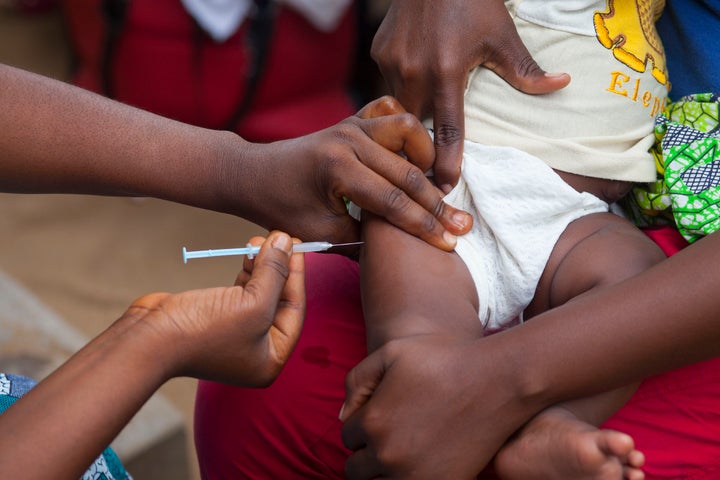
(251, 250)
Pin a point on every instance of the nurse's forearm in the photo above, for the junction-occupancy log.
(60, 426)
(58, 138)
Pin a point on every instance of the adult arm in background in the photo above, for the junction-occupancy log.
(241, 335)
(663, 318)
(425, 49)
(59, 138)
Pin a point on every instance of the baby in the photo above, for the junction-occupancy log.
(539, 174)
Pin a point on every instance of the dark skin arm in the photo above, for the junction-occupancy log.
(425, 50)
(241, 335)
(668, 317)
(58, 138)
(411, 290)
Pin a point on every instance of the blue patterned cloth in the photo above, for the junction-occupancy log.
(106, 467)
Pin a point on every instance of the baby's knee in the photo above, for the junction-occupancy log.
(605, 254)
(623, 251)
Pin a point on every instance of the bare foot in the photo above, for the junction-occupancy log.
(557, 445)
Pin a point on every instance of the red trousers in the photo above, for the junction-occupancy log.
(291, 429)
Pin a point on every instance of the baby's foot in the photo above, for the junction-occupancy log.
(557, 445)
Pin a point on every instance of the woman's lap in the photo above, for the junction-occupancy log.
(675, 417)
(675, 421)
(291, 430)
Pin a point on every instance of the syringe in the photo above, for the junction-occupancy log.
(252, 250)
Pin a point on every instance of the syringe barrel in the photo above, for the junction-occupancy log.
(311, 247)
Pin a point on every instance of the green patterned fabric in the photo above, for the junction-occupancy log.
(687, 154)
(691, 156)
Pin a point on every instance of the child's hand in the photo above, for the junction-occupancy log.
(241, 335)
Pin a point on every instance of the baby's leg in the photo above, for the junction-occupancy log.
(563, 441)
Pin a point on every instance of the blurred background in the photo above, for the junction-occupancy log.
(70, 265)
(86, 259)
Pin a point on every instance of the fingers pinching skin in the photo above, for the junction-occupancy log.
(407, 181)
(381, 107)
(408, 200)
(398, 131)
(357, 160)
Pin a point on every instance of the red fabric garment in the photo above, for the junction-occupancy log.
(674, 417)
(290, 430)
(667, 238)
(675, 421)
(164, 63)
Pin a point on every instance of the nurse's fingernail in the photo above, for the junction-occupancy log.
(282, 242)
(461, 220)
(450, 239)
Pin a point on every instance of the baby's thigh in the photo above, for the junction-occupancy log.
(594, 251)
